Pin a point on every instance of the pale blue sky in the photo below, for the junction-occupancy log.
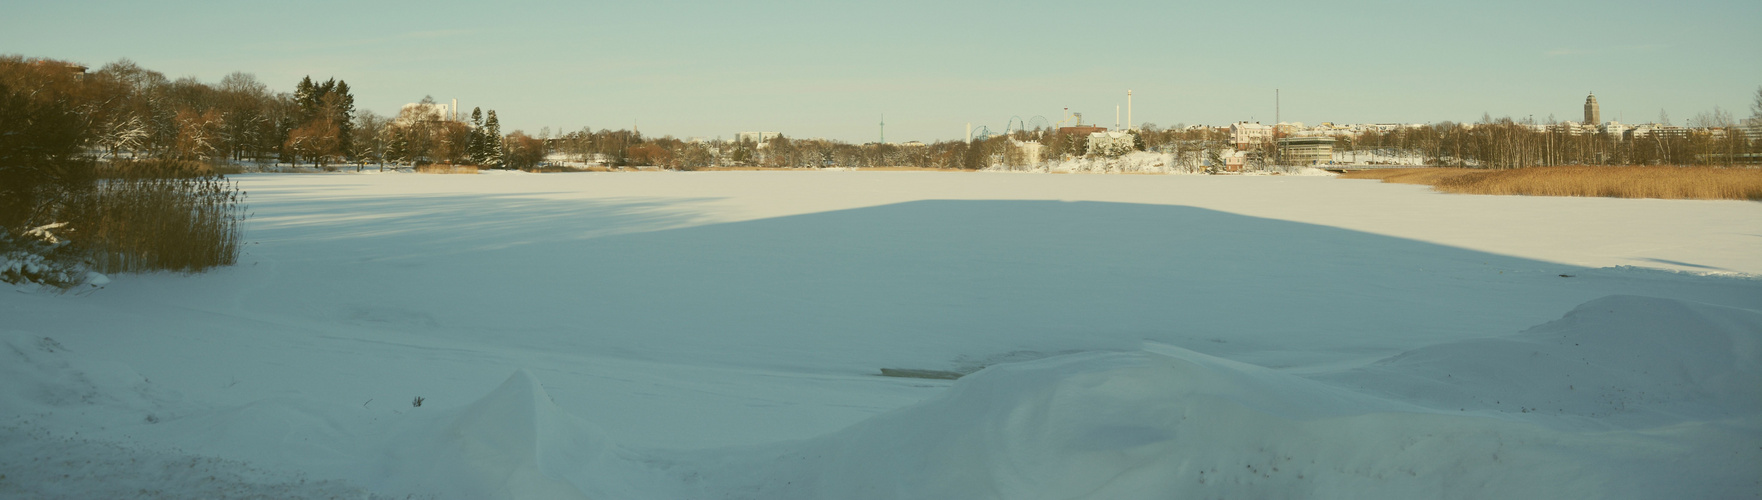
(829, 69)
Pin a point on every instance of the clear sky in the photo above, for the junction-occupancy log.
(831, 69)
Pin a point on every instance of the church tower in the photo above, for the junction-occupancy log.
(1591, 115)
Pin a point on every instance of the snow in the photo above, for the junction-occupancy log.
(721, 335)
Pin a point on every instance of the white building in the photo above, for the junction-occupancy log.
(417, 111)
(757, 137)
(1245, 134)
(1030, 151)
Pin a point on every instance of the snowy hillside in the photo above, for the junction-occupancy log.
(722, 335)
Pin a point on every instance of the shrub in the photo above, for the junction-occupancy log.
(39, 257)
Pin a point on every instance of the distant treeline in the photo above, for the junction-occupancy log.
(1504, 144)
(128, 111)
(122, 110)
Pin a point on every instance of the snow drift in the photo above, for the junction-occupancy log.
(1614, 362)
(1172, 422)
(1165, 421)
(513, 443)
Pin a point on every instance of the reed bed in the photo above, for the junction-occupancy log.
(150, 216)
(439, 168)
(1663, 182)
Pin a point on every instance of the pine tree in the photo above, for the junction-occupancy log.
(492, 136)
(399, 150)
(306, 97)
(474, 142)
(345, 116)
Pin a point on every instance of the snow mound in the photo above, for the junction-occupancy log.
(513, 443)
(1619, 361)
(1169, 422)
(1142, 425)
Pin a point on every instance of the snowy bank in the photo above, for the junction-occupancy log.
(721, 335)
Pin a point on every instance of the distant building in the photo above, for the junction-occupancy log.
(417, 111)
(1639, 131)
(1306, 150)
(77, 70)
(1657, 130)
(1081, 130)
(1574, 128)
(1592, 117)
(757, 137)
(1111, 143)
(1030, 151)
(1245, 134)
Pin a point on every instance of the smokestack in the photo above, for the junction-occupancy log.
(455, 110)
(1129, 125)
(969, 131)
(1116, 117)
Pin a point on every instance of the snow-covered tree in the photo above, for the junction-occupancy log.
(1110, 144)
(492, 138)
(474, 142)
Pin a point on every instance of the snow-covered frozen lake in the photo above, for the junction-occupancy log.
(720, 335)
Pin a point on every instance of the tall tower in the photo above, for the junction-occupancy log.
(1592, 117)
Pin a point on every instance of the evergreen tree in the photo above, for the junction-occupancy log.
(303, 93)
(345, 116)
(399, 150)
(492, 136)
(306, 99)
(474, 142)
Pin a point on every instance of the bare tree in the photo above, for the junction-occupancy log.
(1756, 108)
(370, 137)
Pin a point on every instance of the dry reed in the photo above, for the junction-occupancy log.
(162, 215)
(439, 168)
(553, 169)
(1665, 182)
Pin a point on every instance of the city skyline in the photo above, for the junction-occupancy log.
(831, 70)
